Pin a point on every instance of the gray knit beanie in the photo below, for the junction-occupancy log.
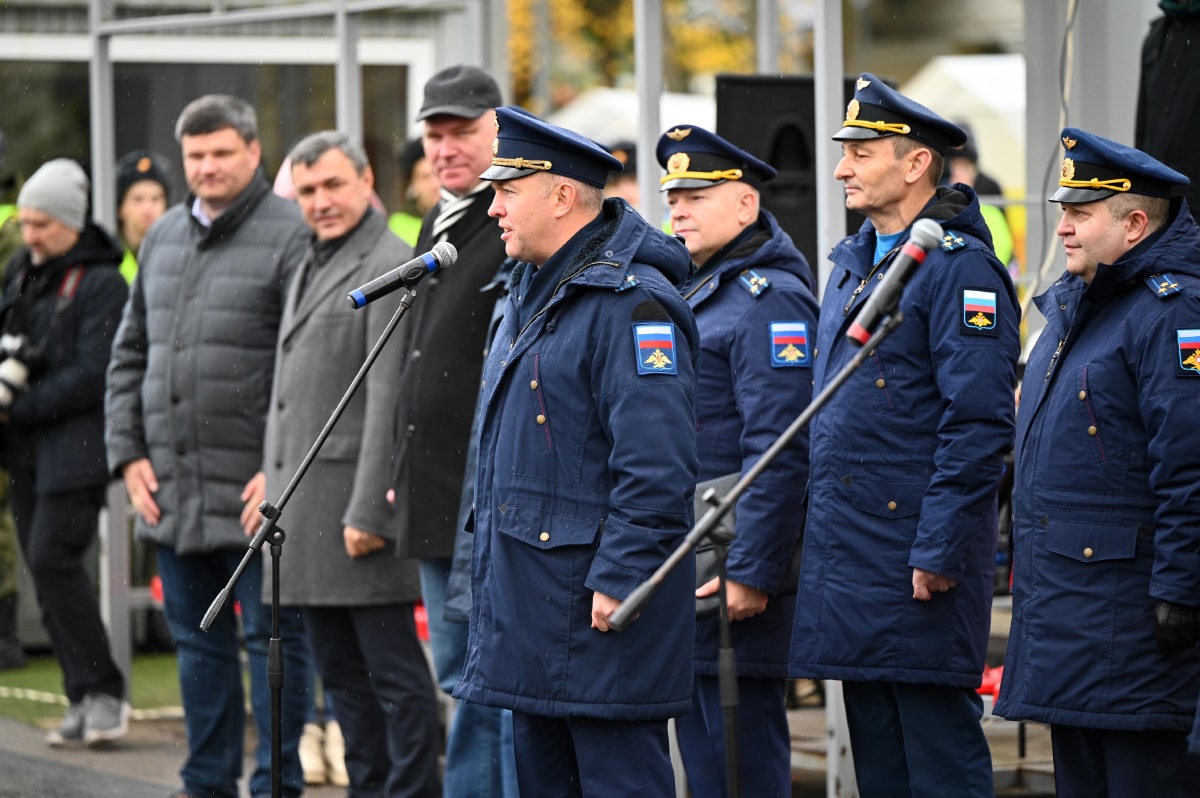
(59, 188)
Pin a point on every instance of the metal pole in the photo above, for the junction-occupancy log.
(766, 37)
(647, 56)
(100, 100)
(347, 74)
(828, 67)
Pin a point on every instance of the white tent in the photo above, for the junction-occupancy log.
(611, 115)
(987, 92)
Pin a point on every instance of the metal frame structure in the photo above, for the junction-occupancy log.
(480, 24)
(472, 26)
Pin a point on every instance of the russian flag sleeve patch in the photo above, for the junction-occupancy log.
(789, 344)
(1189, 352)
(979, 311)
(655, 345)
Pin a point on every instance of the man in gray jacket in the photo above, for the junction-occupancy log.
(355, 594)
(188, 390)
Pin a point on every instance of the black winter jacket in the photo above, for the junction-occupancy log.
(68, 308)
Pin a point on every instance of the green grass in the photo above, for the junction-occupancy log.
(154, 684)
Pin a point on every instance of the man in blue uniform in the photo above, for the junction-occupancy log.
(896, 579)
(587, 464)
(756, 312)
(1106, 522)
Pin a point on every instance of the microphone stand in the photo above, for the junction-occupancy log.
(268, 530)
(710, 527)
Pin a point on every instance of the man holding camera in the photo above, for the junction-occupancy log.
(61, 305)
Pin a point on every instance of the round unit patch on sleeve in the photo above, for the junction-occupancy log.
(1189, 352)
(655, 345)
(979, 312)
(789, 345)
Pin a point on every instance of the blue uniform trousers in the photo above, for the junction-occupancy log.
(1104, 763)
(917, 741)
(592, 758)
(764, 740)
(371, 662)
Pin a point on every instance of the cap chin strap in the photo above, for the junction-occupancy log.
(522, 163)
(726, 174)
(1096, 184)
(898, 128)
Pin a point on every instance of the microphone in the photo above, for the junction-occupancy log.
(441, 256)
(926, 234)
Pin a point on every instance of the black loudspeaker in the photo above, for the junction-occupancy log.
(771, 117)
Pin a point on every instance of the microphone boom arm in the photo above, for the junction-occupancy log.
(635, 601)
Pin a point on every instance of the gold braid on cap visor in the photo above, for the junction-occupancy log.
(898, 128)
(1115, 184)
(726, 174)
(522, 163)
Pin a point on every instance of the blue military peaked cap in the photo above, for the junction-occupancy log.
(878, 110)
(526, 144)
(1095, 168)
(696, 158)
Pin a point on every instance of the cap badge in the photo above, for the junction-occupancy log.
(143, 164)
(861, 84)
(679, 162)
(1068, 169)
(852, 110)
(495, 146)
(1069, 142)
(679, 134)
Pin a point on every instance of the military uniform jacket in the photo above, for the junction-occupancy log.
(322, 345)
(441, 345)
(905, 461)
(756, 318)
(586, 473)
(190, 378)
(1106, 509)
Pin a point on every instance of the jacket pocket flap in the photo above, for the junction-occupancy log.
(1091, 542)
(888, 499)
(547, 530)
(340, 447)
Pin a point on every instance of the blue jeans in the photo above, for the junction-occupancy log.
(210, 673)
(479, 752)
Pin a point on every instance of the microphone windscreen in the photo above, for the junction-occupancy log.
(444, 253)
(650, 310)
(926, 234)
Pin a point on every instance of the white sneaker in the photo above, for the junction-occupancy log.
(335, 755)
(105, 718)
(312, 754)
(70, 731)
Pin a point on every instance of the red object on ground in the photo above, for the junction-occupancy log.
(422, 619)
(991, 681)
